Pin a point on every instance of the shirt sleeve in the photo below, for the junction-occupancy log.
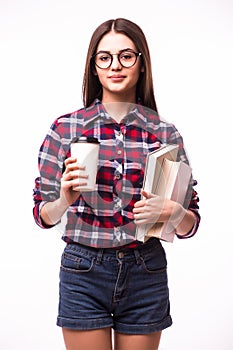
(194, 207)
(50, 164)
(192, 199)
(38, 204)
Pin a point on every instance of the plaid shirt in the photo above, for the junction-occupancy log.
(104, 217)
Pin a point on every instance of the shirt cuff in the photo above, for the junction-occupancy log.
(193, 230)
(37, 216)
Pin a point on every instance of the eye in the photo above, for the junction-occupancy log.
(127, 56)
(104, 57)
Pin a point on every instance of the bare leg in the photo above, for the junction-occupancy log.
(97, 339)
(137, 342)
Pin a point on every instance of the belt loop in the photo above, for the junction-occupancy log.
(137, 256)
(99, 256)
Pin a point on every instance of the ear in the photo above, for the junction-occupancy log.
(142, 69)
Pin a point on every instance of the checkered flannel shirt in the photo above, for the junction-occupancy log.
(104, 217)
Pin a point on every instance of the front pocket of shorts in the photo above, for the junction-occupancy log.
(76, 264)
(150, 269)
(154, 263)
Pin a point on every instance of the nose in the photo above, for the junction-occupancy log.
(115, 63)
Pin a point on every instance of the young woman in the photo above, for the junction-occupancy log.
(108, 279)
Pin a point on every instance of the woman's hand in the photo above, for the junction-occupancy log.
(153, 208)
(51, 212)
(72, 177)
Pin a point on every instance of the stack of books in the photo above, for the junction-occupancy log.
(167, 178)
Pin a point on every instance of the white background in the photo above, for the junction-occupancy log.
(43, 50)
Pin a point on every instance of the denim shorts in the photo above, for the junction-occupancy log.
(125, 289)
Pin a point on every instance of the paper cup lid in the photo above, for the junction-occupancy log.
(89, 139)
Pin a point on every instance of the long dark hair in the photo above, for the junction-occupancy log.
(92, 88)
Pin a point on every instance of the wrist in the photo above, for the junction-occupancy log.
(182, 219)
(62, 204)
(51, 212)
(178, 214)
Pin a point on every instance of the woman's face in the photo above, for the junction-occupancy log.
(117, 81)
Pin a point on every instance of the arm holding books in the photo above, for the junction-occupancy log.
(169, 204)
(153, 208)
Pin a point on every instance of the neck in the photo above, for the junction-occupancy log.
(128, 95)
(118, 105)
(118, 110)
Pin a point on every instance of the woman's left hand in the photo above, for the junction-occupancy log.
(153, 208)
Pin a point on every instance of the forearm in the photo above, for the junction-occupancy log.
(182, 219)
(51, 212)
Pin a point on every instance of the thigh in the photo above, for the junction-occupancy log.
(97, 339)
(137, 342)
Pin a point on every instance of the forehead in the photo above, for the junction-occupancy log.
(114, 42)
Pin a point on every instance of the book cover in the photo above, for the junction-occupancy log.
(173, 184)
(154, 162)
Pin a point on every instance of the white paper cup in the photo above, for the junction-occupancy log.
(86, 150)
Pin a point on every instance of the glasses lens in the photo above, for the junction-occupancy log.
(103, 60)
(127, 58)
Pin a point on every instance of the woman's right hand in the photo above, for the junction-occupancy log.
(71, 178)
(51, 212)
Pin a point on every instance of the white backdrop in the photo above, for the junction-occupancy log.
(42, 54)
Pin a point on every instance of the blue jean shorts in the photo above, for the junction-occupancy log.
(125, 289)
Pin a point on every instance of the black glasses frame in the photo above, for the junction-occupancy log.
(137, 54)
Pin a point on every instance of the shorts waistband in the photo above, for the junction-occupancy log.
(120, 252)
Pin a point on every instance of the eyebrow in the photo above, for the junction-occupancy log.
(120, 51)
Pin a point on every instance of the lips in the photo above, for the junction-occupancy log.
(117, 77)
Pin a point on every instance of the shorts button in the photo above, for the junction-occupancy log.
(120, 255)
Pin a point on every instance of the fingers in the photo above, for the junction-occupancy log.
(72, 169)
(74, 174)
(147, 210)
(71, 164)
(145, 200)
(141, 209)
(141, 217)
(147, 195)
(140, 204)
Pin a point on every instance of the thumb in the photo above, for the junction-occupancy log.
(147, 195)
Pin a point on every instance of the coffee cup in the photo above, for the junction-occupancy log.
(86, 150)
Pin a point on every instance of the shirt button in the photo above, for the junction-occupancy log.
(119, 151)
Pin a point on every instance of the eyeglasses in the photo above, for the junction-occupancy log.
(127, 58)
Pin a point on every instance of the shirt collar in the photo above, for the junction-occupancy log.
(140, 115)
